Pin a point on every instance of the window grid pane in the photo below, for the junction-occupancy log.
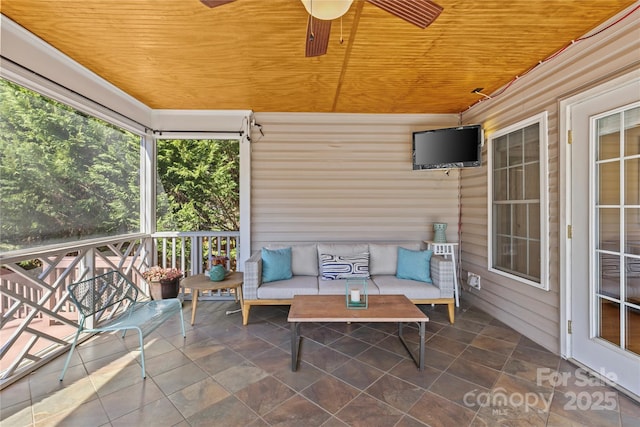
(500, 184)
(516, 215)
(516, 183)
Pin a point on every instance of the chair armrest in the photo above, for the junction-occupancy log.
(442, 275)
(252, 276)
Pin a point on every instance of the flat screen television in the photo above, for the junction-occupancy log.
(456, 147)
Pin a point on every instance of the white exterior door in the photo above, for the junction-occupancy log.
(604, 285)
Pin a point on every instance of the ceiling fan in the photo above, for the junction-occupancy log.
(418, 12)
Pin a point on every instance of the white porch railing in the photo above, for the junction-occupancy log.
(190, 251)
(38, 319)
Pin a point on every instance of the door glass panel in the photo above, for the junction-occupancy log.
(608, 132)
(609, 321)
(632, 231)
(609, 183)
(618, 247)
(632, 279)
(632, 181)
(632, 131)
(609, 229)
(633, 329)
(609, 283)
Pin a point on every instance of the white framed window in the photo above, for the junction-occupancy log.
(517, 202)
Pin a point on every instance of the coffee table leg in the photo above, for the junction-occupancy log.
(295, 345)
(422, 334)
(420, 359)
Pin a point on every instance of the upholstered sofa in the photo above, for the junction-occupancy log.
(313, 272)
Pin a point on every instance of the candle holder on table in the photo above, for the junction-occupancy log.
(356, 295)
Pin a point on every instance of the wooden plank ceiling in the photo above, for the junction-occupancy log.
(250, 54)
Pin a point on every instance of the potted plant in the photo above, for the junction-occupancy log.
(163, 282)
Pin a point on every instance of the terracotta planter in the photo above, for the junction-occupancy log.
(164, 289)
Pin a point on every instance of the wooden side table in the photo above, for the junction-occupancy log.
(447, 249)
(201, 282)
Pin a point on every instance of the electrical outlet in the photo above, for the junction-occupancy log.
(473, 280)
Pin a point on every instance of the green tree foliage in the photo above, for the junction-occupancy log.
(67, 176)
(201, 185)
(63, 175)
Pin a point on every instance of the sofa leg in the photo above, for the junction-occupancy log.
(245, 313)
(452, 311)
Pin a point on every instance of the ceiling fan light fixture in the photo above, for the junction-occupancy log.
(327, 10)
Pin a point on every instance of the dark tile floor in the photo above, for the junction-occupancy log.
(479, 372)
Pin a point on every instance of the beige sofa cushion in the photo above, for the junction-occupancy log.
(342, 248)
(304, 259)
(286, 289)
(412, 289)
(383, 257)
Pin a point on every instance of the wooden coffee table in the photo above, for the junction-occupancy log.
(332, 308)
(201, 282)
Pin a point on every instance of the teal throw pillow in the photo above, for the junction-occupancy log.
(276, 264)
(414, 265)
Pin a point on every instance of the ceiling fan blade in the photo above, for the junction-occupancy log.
(317, 36)
(418, 12)
(216, 3)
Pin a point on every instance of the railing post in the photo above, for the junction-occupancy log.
(196, 250)
(173, 252)
(239, 265)
(183, 251)
(88, 264)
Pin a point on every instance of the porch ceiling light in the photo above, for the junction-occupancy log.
(327, 10)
